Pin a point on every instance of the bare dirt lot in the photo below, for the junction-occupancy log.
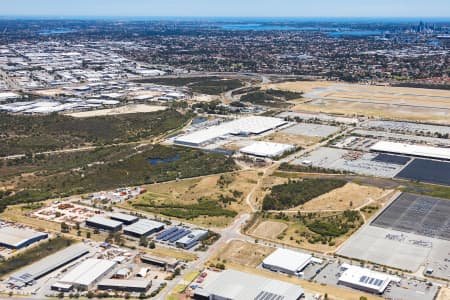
(269, 229)
(291, 139)
(377, 101)
(243, 253)
(444, 294)
(128, 109)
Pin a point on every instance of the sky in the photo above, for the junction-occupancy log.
(228, 8)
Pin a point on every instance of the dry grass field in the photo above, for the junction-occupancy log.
(243, 253)
(349, 196)
(188, 192)
(444, 294)
(122, 110)
(377, 101)
(290, 139)
(270, 229)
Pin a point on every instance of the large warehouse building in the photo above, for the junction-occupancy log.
(47, 265)
(365, 279)
(267, 149)
(243, 127)
(124, 218)
(131, 286)
(235, 285)
(17, 238)
(87, 274)
(287, 261)
(143, 227)
(192, 239)
(411, 150)
(104, 223)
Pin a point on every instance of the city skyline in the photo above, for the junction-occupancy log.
(232, 8)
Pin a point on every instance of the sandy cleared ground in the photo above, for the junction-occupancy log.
(341, 198)
(52, 92)
(377, 101)
(128, 109)
(444, 294)
(291, 139)
(270, 229)
(243, 253)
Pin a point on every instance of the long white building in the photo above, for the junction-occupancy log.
(243, 126)
(365, 279)
(287, 261)
(86, 274)
(412, 150)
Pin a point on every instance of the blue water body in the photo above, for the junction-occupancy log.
(199, 120)
(56, 31)
(155, 161)
(356, 33)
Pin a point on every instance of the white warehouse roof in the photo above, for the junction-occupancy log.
(413, 150)
(143, 226)
(288, 260)
(248, 125)
(266, 149)
(14, 237)
(366, 279)
(237, 285)
(88, 272)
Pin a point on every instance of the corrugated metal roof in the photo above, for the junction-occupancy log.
(289, 260)
(144, 226)
(413, 150)
(13, 236)
(88, 272)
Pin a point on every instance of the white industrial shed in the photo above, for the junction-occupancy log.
(235, 285)
(124, 218)
(287, 261)
(243, 126)
(266, 149)
(143, 227)
(47, 265)
(365, 279)
(16, 238)
(86, 274)
(412, 150)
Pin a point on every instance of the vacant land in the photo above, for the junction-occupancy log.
(157, 164)
(321, 232)
(243, 253)
(29, 134)
(349, 196)
(271, 97)
(378, 101)
(294, 193)
(127, 109)
(210, 201)
(444, 294)
(33, 254)
(211, 85)
(270, 229)
(290, 139)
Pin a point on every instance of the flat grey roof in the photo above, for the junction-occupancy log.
(135, 283)
(123, 217)
(13, 236)
(143, 226)
(104, 221)
(232, 284)
(50, 263)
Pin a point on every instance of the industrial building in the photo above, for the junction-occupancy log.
(240, 127)
(104, 223)
(124, 218)
(143, 227)
(287, 261)
(235, 285)
(17, 238)
(88, 273)
(192, 239)
(131, 286)
(365, 279)
(267, 149)
(167, 263)
(172, 234)
(411, 150)
(47, 265)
